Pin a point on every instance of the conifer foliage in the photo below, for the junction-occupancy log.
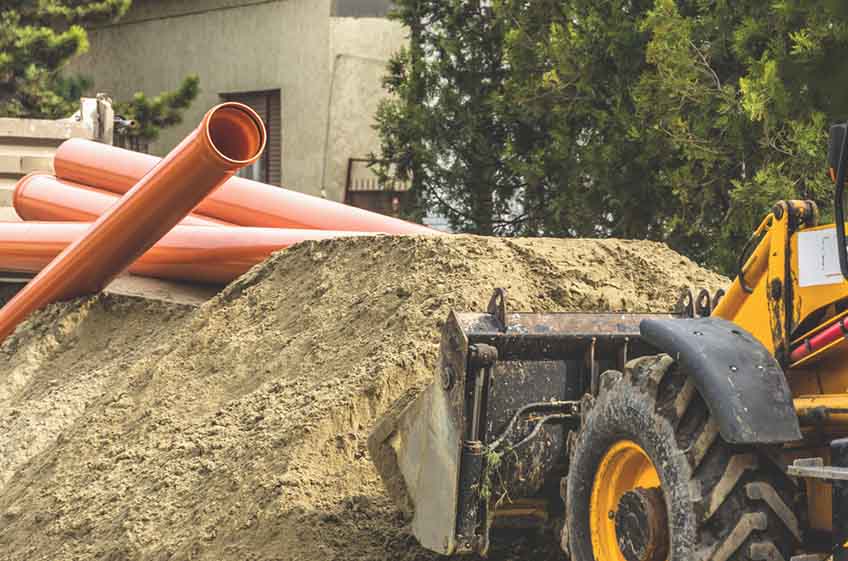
(37, 40)
(674, 120)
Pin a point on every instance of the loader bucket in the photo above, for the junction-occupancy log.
(486, 443)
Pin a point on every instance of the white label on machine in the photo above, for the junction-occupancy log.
(818, 262)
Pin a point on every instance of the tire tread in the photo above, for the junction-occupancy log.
(745, 511)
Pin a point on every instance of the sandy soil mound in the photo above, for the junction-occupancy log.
(130, 430)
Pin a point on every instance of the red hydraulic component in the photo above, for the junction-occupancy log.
(186, 253)
(40, 196)
(230, 136)
(820, 340)
(240, 201)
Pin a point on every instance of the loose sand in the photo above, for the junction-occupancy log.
(132, 430)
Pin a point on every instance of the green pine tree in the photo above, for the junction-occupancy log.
(39, 38)
(675, 120)
(441, 127)
(164, 110)
(741, 94)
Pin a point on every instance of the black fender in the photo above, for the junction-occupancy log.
(741, 382)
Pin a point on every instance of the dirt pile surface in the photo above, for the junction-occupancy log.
(131, 430)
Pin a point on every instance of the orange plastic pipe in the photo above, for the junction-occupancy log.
(240, 201)
(229, 137)
(40, 196)
(186, 253)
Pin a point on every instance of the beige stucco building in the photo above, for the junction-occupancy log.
(313, 68)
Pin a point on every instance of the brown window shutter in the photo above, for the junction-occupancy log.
(275, 138)
(267, 105)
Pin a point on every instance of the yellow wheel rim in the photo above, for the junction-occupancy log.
(625, 467)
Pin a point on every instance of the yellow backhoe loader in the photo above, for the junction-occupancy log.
(718, 432)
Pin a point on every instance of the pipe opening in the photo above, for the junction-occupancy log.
(236, 133)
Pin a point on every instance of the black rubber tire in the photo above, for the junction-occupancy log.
(724, 503)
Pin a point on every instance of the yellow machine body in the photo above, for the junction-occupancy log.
(782, 302)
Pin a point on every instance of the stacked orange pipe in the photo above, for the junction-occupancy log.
(40, 196)
(189, 253)
(239, 201)
(229, 137)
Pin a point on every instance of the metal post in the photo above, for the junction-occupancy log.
(839, 459)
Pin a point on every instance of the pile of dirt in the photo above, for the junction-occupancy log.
(56, 367)
(131, 430)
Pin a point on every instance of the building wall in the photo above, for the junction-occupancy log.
(359, 51)
(251, 45)
(233, 47)
(360, 8)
